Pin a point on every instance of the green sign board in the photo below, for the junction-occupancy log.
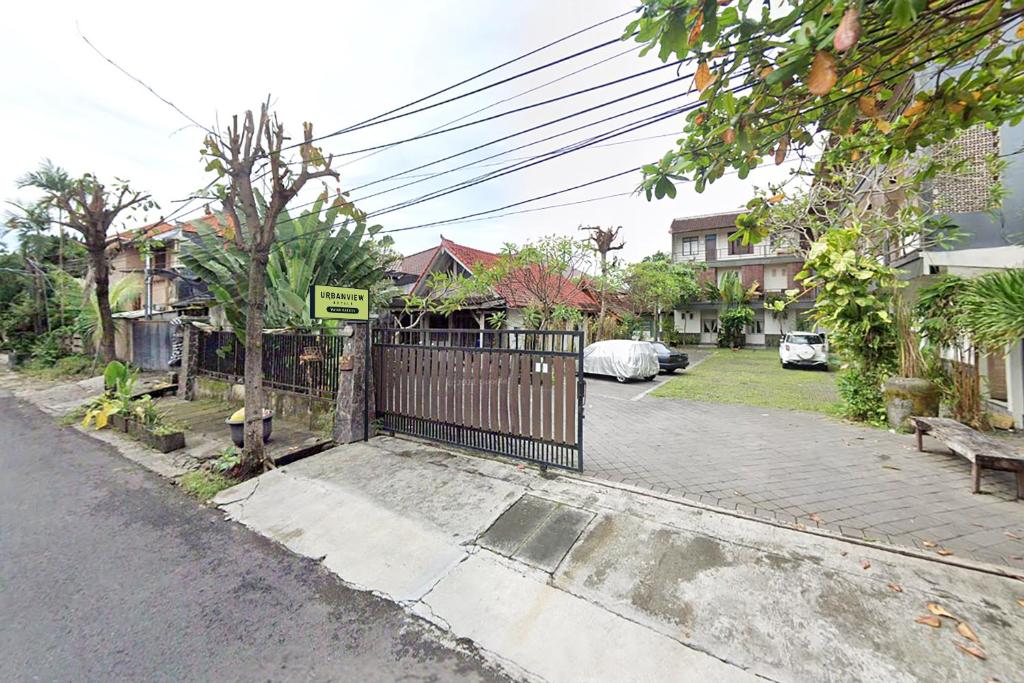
(339, 303)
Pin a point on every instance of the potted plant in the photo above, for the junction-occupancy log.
(910, 392)
(237, 424)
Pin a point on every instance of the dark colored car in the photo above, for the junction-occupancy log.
(670, 360)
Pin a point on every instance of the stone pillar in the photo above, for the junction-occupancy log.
(189, 362)
(353, 410)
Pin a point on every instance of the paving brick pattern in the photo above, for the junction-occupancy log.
(802, 468)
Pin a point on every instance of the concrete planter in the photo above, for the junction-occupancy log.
(906, 396)
(118, 422)
(165, 443)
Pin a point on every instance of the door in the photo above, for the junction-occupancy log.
(997, 377)
(711, 247)
(709, 327)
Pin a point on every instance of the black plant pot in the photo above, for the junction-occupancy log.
(238, 429)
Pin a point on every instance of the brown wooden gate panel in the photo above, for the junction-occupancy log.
(512, 392)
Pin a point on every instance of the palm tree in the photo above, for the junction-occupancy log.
(993, 308)
(123, 295)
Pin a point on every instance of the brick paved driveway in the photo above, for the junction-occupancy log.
(802, 468)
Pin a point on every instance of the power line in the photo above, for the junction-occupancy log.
(429, 176)
(512, 168)
(504, 100)
(514, 111)
(377, 118)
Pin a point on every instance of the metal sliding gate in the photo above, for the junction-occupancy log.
(517, 393)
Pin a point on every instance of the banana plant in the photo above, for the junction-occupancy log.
(330, 244)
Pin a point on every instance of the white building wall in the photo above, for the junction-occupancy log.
(687, 321)
(776, 277)
(1015, 383)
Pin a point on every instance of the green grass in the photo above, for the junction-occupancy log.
(204, 485)
(754, 378)
(68, 367)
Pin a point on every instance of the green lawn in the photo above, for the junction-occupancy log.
(753, 378)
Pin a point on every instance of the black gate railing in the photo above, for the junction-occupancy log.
(299, 363)
(512, 392)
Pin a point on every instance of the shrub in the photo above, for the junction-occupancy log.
(861, 394)
(731, 322)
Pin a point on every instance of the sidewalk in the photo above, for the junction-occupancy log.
(565, 579)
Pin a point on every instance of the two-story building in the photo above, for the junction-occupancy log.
(770, 265)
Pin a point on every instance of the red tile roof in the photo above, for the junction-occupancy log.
(415, 264)
(514, 288)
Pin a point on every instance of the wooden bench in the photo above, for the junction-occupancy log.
(982, 451)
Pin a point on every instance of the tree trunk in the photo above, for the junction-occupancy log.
(604, 294)
(101, 275)
(253, 456)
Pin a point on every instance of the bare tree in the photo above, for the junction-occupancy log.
(90, 208)
(253, 199)
(603, 241)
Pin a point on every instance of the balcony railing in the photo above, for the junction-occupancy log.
(734, 251)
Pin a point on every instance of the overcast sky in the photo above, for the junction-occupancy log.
(336, 64)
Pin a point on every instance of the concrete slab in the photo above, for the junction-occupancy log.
(652, 590)
(556, 535)
(554, 636)
(392, 525)
(367, 544)
(791, 607)
(517, 524)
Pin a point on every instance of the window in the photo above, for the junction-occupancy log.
(737, 248)
(756, 327)
(160, 259)
(688, 246)
(803, 339)
(710, 325)
(660, 348)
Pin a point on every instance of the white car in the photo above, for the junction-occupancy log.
(806, 349)
(623, 359)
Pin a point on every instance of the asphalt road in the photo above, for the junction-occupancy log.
(108, 572)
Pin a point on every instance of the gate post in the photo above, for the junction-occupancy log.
(189, 362)
(353, 409)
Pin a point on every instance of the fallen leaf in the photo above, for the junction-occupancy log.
(1010, 534)
(865, 564)
(929, 620)
(929, 544)
(888, 467)
(944, 551)
(966, 631)
(939, 611)
(848, 31)
(971, 650)
(895, 587)
(843, 553)
(703, 78)
(823, 73)
(1020, 601)
(816, 518)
